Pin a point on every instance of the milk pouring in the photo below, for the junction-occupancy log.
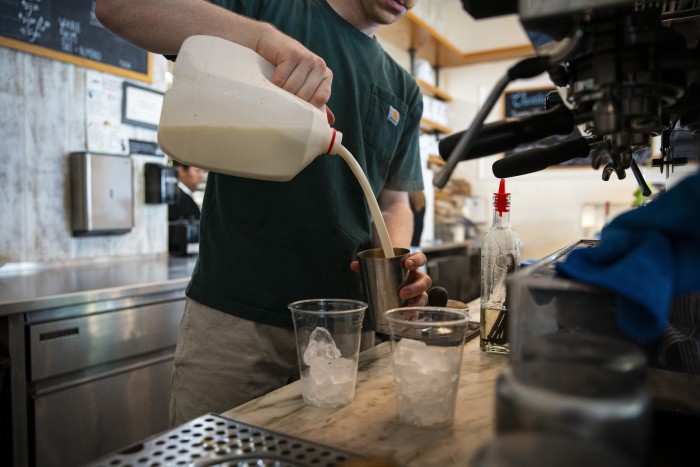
(224, 114)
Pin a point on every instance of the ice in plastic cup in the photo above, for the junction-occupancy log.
(426, 349)
(328, 333)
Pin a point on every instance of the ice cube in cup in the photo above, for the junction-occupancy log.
(331, 378)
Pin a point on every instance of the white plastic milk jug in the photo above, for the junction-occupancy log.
(223, 114)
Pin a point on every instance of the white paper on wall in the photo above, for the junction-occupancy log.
(103, 108)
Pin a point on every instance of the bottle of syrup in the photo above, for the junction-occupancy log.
(500, 256)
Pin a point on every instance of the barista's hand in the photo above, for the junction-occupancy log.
(298, 71)
(414, 291)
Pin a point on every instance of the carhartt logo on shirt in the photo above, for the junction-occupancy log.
(393, 116)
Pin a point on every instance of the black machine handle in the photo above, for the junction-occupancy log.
(538, 159)
(502, 136)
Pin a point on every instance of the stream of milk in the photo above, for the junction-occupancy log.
(371, 201)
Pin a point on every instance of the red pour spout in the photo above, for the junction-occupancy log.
(502, 202)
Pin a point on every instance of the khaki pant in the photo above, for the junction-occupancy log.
(222, 361)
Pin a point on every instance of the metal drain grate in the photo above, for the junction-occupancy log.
(213, 440)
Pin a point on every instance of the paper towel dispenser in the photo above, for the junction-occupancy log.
(101, 194)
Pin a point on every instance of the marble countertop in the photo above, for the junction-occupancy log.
(369, 426)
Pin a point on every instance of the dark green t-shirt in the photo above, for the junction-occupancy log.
(266, 244)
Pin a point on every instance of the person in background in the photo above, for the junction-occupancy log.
(188, 179)
(266, 244)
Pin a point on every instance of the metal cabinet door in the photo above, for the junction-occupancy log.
(79, 423)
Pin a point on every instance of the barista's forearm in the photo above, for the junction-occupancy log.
(400, 227)
(161, 26)
(398, 217)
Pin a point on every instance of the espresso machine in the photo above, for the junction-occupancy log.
(626, 74)
(625, 71)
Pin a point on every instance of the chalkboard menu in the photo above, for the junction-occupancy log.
(519, 103)
(68, 30)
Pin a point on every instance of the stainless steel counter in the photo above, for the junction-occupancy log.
(91, 343)
(26, 287)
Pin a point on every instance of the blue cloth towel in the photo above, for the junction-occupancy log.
(647, 256)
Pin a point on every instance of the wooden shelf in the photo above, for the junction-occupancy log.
(411, 32)
(429, 90)
(436, 160)
(429, 126)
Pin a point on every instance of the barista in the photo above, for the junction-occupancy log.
(185, 207)
(266, 244)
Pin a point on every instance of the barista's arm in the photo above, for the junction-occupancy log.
(397, 214)
(398, 217)
(161, 26)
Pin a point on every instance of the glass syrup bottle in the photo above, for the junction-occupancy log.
(500, 256)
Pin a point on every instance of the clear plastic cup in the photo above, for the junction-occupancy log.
(328, 334)
(426, 347)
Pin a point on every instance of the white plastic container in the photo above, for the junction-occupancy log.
(223, 114)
